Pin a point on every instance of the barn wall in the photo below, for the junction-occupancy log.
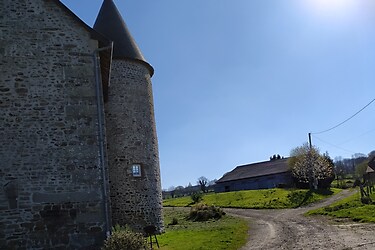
(262, 182)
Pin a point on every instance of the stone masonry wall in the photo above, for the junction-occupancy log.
(50, 182)
(131, 138)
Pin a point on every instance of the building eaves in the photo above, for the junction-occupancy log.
(94, 34)
(369, 170)
(105, 55)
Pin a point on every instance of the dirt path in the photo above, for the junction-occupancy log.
(289, 229)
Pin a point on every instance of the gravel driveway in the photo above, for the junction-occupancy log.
(289, 229)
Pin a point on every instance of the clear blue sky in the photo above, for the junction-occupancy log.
(238, 81)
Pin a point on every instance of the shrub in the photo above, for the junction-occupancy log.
(174, 221)
(203, 212)
(124, 238)
(297, 198)
(357, 183)
(366, 200)
(197, 197)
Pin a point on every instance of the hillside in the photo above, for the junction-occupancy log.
(267, 198)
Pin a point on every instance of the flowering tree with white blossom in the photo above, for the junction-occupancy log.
(310, 167)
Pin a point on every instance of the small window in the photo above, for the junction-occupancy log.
(136, 170)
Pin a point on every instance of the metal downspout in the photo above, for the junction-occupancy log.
(101, 122)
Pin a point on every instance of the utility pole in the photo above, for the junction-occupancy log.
(310, 141)
(310, 164)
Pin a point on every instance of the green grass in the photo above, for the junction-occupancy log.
(259, 199)
(350, 207)
(226, 233)
(344, 183)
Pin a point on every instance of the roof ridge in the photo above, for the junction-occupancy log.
(95, 35)
(262, 162)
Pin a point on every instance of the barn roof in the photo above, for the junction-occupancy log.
(371, 163)
(369, 170)
(256, 170)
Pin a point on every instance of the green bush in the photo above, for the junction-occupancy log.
(196, 197)
(124, 238)
(203, 212)
(366, 200)
(174, 221)
(298, 198)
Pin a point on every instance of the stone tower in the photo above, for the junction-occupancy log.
(54, 72)
(133, 160)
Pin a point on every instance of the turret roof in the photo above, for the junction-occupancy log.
(111, 24)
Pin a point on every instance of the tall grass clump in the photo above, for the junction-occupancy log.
(204, 212)
(124, 238)
(196, 197)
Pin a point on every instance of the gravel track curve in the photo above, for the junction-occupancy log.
(290, 229)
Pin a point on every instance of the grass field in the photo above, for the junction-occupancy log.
(266, 198)
(343, 184)
(228, 233)
(350, 207)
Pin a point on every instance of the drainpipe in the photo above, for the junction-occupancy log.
(101, 127)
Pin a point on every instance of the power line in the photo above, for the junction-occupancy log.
(324, 131)
(356, 137)
(333, 145)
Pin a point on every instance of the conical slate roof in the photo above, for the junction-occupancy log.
(111, 24)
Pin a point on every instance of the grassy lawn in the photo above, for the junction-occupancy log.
(266, 198)
(226, 233)
(350, 207)
(343, 183)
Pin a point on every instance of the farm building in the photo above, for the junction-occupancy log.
(262, 175)
(371, 163)
(370, 171)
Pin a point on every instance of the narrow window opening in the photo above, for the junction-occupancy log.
(136, 170)
(11, 191)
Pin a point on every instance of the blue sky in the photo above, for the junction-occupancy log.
(238, 81)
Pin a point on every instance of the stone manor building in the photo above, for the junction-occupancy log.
(79, 150)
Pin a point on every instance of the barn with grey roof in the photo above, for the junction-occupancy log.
(261, 175)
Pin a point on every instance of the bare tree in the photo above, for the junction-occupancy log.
(202, 182)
